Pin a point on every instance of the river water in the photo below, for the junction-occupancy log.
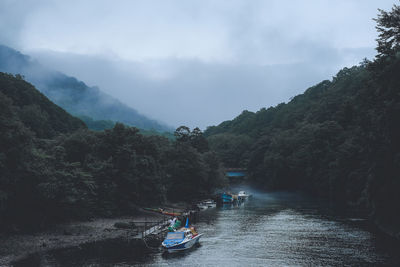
(276, 229)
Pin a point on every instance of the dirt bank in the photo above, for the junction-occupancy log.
(69, 235)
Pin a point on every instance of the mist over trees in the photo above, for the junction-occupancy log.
(90, 103)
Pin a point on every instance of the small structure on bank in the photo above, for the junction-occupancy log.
(236, 174)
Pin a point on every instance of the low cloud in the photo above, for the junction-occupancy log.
(197, 93)
(194, 62)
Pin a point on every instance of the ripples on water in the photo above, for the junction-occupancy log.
(279, 229)
(276, 229)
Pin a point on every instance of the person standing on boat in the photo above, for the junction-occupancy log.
(172, 222)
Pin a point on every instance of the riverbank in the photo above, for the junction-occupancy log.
(14, 248)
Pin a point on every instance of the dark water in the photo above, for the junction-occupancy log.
(276, 229)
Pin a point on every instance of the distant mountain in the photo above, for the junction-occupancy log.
(73, 95)
(22, 103)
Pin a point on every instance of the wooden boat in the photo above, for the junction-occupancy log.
(160, 210)
(152, 209)
(171, 213)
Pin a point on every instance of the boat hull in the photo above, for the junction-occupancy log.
(187, 244)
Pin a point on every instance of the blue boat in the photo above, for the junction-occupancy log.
(182, 239)
(226, 198)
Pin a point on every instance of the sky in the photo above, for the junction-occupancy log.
(194, 62)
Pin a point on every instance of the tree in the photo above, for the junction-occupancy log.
(198, 141)
(388, 26)
(182, 134)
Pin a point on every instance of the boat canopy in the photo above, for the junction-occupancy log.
(174, 235)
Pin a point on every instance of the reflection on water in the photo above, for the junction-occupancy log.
(276, 229)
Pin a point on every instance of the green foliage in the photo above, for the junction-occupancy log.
(97, 125)
(101, 125)
(191, 174)
(168, 135)
(388, 25)
(195, 138)
(231, 149)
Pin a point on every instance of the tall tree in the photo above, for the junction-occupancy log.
(388, 26)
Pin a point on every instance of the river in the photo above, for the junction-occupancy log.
(276, 229)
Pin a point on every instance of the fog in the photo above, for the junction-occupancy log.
(194, 63)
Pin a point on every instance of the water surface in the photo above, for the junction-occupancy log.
(275, 229)
(280, 229)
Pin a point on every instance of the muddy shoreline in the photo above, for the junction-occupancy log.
(98, 236)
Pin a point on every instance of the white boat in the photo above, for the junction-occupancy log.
(202, 206)
(209, 203)
(182, 239)
(243, 195)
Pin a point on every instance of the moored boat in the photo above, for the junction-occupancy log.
(152, 209)
(202, 206)
(209, 203)
(226, 198)
(171, 213)
(165, 212)
(182, 239)
(243, 195)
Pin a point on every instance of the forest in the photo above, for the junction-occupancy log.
(53, 169)
(338, 140)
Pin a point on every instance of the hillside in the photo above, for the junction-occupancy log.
(73, 95)
(339, 139)
(34, 110)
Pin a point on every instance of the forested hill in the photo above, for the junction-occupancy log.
(53, 169)
(339, 139)
(23, 103)
(73, 95)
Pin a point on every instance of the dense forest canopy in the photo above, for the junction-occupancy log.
(339, 139)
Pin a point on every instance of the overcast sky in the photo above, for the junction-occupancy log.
(195, 63)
